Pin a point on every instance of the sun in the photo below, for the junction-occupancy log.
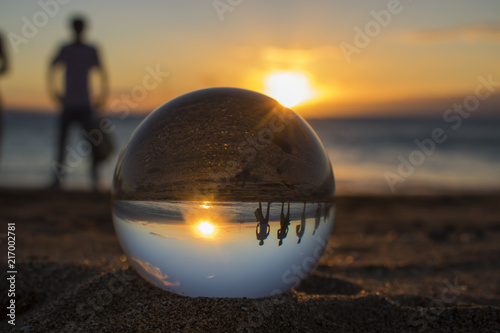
(289, 88)
(205, 228)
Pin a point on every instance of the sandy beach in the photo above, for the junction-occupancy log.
(393, 264)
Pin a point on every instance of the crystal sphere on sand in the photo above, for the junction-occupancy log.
(223, 192)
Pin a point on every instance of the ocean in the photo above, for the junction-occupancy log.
(368, 155)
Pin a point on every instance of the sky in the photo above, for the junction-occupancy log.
(347, 58)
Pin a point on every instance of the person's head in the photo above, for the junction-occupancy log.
(78, 26)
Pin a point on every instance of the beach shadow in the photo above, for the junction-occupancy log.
(316, 284)
(39, 282)
(48, 285)
(416, 301)
(386, 273)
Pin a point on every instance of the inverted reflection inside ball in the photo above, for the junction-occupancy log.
(215, 184)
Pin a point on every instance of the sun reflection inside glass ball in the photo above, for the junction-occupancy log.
(223, 192)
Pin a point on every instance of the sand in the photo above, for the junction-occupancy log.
(415, 264)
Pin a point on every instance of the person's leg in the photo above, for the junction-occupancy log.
(87, 122)
(64, 123)
(94, 175)
(1, 127)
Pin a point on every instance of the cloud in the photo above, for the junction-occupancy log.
(154, 272)
(167, 237)
(489, 32)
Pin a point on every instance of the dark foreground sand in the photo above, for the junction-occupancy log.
(429, 263)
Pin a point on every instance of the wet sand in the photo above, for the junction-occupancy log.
(417, 264)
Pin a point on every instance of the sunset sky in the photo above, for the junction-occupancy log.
(425, 52)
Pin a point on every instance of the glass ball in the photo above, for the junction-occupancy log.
(223, 192)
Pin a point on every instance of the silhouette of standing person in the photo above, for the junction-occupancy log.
(317, 217)
(284, 223)
(262, 229)
(4, 65)
(77, 60)
(301, 228)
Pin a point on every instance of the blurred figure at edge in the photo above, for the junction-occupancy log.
(4, 65)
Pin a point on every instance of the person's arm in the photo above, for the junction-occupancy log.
(101, 99)
(56, 62)
(3, 58)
